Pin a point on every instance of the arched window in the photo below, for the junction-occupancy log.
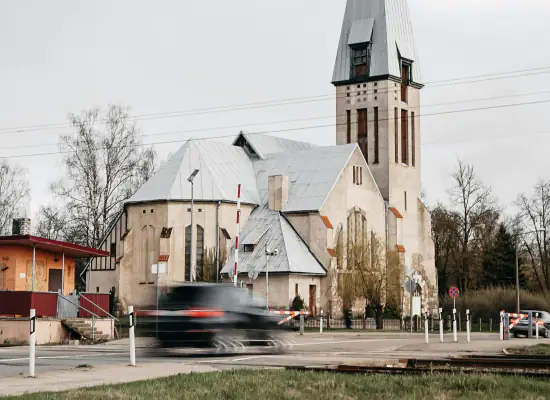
(199, 253)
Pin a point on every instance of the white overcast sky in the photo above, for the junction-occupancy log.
(58, 57)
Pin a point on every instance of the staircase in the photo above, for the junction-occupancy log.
(83, 327)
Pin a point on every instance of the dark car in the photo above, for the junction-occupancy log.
(216, 316)
(523, 326)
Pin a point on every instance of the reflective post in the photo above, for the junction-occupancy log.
(530, 319)
(468, 326)
(132, 322)
(321, 324)
(455, 339)
(501, 332)
(537, 326)
(426, 337)
(32, 343)
(441, 325)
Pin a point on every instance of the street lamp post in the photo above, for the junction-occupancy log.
(192, 255)
(268, 253)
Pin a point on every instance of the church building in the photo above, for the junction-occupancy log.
(305, 201)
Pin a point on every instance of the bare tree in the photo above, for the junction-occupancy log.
(363, 270)
(104, 167)
(445, 236)
(473, 203)
(534, 215)
(14, 192)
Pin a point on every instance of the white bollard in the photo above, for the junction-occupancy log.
(426, 337)
(321, 324)
(537, 326)
(455, 338)
(468, 326)
(501, 333)
(441, 325)
(132, 321)
(32, 343)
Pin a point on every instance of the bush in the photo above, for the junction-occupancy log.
(298, 304)
(487, 303)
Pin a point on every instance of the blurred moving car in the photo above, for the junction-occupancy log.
(523, 326)
(219, 316)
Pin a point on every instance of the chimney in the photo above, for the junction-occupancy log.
(278, 192)
(21, 226)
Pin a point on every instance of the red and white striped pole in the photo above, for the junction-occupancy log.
(237, 236)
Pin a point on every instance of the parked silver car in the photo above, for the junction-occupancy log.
(522, 327)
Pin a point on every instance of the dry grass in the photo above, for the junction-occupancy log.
(537, 350)
(487, 303)
(283, 385)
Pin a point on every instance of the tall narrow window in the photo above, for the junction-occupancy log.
(376, 142)
(362, 132)
(396, 133)
(348, 126)
(404, 137)
(413, 140)
(405, 78)
(187, 252)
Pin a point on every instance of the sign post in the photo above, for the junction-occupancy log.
(468, 326)
(453, 294)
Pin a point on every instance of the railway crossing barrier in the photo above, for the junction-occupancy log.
(509, 320)
(292, 314)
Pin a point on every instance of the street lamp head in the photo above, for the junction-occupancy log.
(193, 175)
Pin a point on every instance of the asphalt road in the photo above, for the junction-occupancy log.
(309, 349)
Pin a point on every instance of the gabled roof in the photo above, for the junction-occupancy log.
(385, 24)
(311, 175)
(263, 145)
(222, 167)
(276, 232)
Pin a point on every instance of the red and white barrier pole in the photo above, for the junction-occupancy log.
(237, 235)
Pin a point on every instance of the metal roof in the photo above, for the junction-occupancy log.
(361, 31)
(293, 254)
(54, 246)
(311, 175)
(222, 167)
(392, 34)
(264, 145)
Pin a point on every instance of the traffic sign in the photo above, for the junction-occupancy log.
(453, 292)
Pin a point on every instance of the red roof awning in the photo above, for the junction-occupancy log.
(53, 246)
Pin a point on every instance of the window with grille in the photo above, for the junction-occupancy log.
(358, 175)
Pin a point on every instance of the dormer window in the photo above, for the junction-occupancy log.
(360, 60)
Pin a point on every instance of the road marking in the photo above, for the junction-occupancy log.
(58, 357)
(340, 342)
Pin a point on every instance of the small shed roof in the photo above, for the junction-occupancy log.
(54, 246)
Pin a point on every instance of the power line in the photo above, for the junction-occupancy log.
(240, 126)
(288, 101)
(292, 129)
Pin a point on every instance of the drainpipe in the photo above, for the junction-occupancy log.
(218, 240)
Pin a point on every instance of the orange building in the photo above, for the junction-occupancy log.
(31, 263)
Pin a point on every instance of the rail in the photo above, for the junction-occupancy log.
(95, 305)
(78, 305)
